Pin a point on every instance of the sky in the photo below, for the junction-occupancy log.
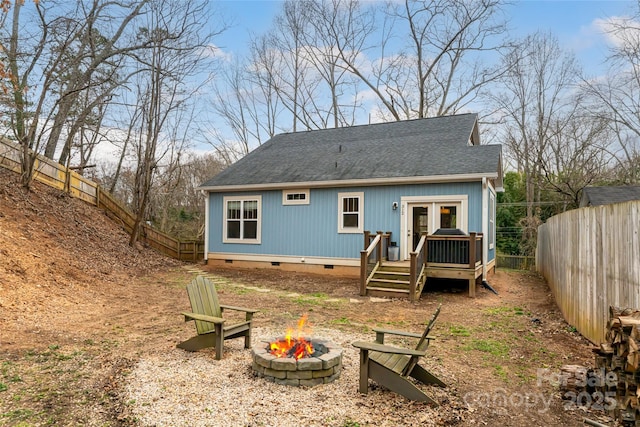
(575, 23)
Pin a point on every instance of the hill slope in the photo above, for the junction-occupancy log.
(57, 251)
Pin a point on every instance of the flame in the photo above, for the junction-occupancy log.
(297, 347)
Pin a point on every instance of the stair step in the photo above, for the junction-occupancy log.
(393, 272)
(391, 281)
(389, 290)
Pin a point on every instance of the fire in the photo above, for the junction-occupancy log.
(297, 347)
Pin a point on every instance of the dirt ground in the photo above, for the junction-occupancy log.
(79, 307)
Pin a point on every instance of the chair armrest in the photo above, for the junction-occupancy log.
(399, 333)
(374, 346)
(202, 317)
(246, 310)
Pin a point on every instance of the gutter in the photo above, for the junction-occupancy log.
(353, 182)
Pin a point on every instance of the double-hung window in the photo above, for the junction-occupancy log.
(242, 217)
(350, 212)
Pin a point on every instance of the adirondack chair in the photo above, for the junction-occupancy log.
(207, 314)
(391, 366)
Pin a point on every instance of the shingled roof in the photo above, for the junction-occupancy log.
(385, 152)
(596, 196)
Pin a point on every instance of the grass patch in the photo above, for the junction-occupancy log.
(305, 300)
(459, 331)
(341, 321)
(489, 346)
(501, 372)
(3, 387)
(508, 311)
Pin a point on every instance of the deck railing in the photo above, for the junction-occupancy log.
(375, 249)
(454, 251)
(417, 266)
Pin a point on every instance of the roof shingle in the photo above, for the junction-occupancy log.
(421, 147)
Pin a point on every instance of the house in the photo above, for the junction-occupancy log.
(596, 196)
(303, 201)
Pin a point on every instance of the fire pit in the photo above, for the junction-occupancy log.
(300, 361)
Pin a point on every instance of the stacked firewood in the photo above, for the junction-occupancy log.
(618, 366)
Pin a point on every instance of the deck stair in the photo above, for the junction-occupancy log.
(391, 280)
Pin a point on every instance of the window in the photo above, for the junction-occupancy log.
(242, 219)
(448, 215)
(295, 197)
(350, 212)
(492, 218)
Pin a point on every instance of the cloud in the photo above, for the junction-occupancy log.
(215, 52)
(618, 31)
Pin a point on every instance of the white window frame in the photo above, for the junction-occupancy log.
(341, 228)
(242, 199)
(286, 193)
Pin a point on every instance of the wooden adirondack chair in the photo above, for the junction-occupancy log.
(207, 314)
(390, 366)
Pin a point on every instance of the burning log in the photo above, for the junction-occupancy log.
(288, 346)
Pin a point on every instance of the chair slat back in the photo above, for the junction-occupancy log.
(423, 343)
(204, 300)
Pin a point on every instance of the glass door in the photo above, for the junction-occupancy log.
(418, 223)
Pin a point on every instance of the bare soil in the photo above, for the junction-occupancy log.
(79, 307)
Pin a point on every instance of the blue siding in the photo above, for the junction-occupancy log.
(312, 230)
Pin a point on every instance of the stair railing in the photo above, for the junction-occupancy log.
(375, 249)
(418, 259)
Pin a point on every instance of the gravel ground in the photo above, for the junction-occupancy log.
(180, 388)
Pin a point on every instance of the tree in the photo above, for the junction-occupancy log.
(534, 105)
(440, 69)
(616, 96)
(51, 60)
(177, 39)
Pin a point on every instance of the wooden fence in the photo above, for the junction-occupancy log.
(516, 262)
(58, 176)
(590, 258)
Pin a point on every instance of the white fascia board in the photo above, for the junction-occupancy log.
(354, 182)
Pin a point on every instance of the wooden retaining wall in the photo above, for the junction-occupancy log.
(58, 176)
(590, 258)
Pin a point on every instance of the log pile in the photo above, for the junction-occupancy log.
(618, 359)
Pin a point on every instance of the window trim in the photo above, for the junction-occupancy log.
(242, 199)
(287, 202)
(351, 230)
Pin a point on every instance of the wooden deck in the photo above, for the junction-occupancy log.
(444, 257)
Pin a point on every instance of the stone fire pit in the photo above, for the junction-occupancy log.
(323, 367)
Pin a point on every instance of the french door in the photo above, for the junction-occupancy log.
(427, 217)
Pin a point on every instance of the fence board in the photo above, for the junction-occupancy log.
(590, 258)
(56, 175)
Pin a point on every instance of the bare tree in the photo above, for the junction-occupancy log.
(249, 111)
(439, 71)
(51, 59)
(177, 39)
(91, 60)
(535, 106)
(616, 96)
(576, 155)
